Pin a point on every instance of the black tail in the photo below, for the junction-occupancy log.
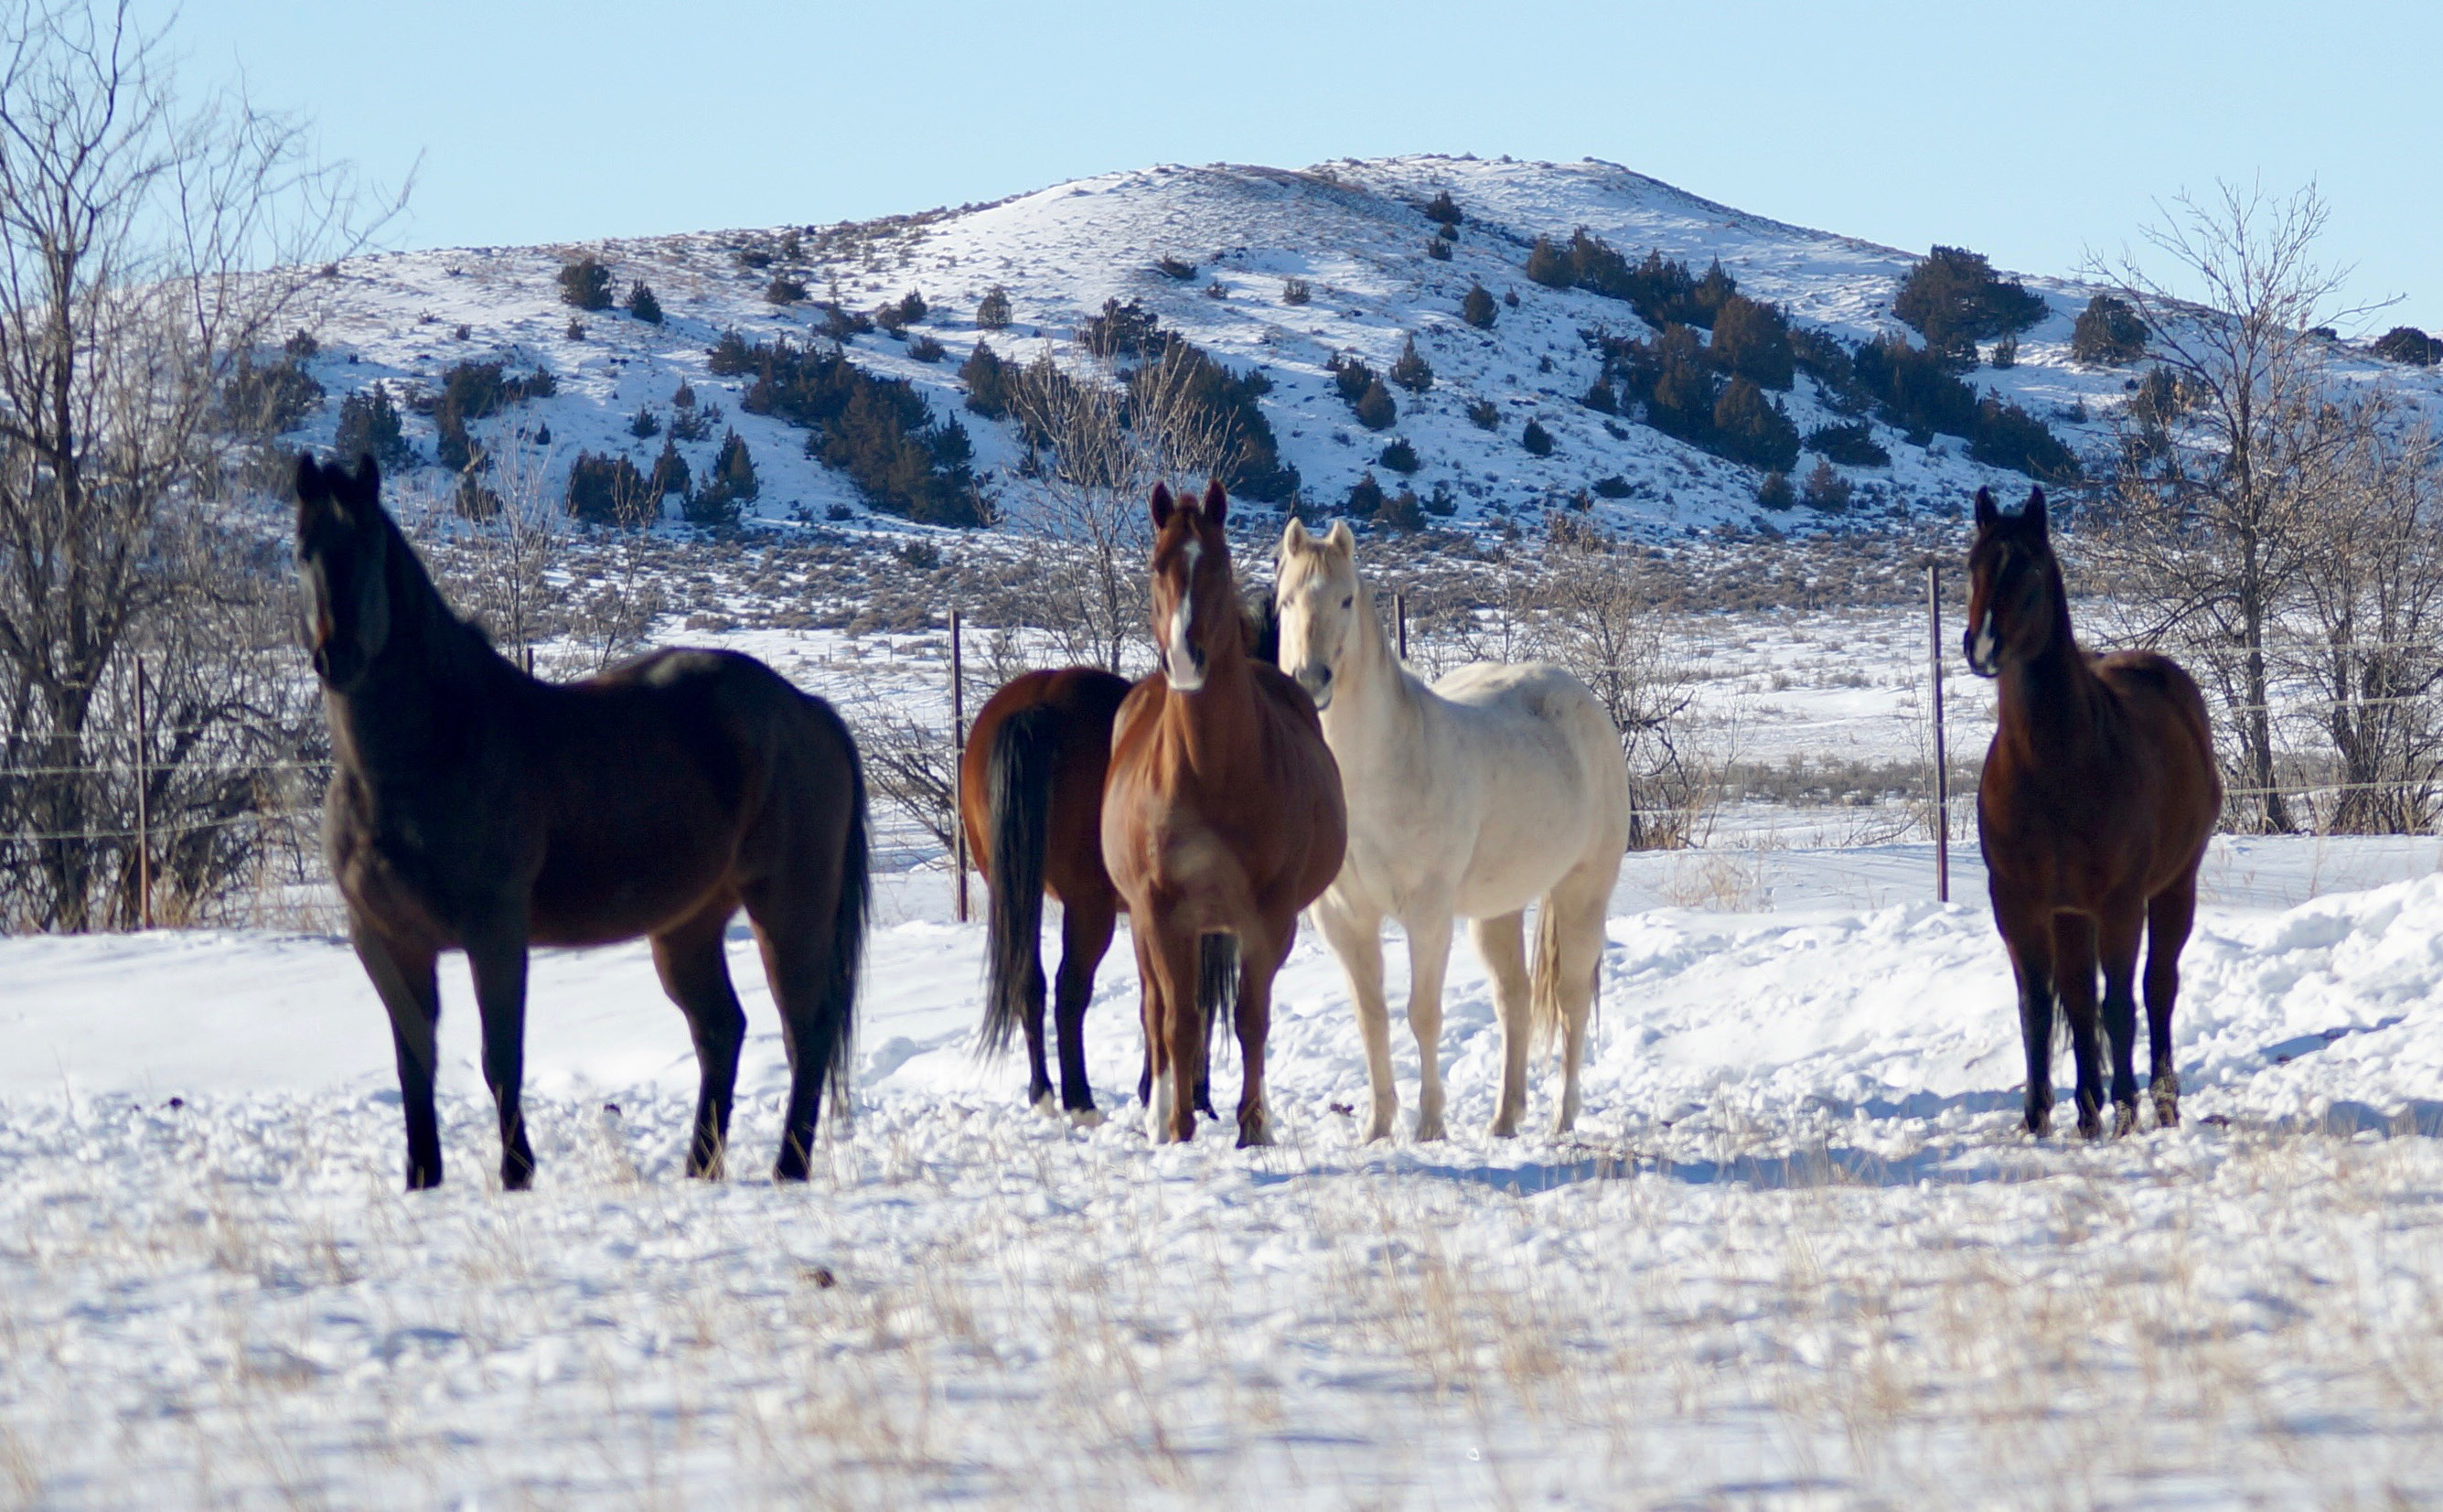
(1217, 986)
(848, 933)
(1018, 796)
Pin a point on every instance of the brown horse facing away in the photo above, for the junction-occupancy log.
(1031, 797)
(2099, 794)
(474, 808)
(1221, 814)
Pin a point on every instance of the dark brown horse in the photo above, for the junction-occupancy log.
(474, 808)
(2099, 794)
(1031, 797)
(1221, 814)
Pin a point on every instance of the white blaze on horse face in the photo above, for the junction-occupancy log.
(1180, 664)
(1981, 650)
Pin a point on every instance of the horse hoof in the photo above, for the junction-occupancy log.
(2040, 1124)
(1044, 1105)
(2090, 1125)
(1505, 1126)
(1428, 1129)
(2125, 1119)
(1258, 1133)
(2167, 1112)
(1086, 1118)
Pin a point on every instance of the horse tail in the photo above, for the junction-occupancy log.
(1017, 794)
(1217, 984)
(837, 1006)
(1544, 976)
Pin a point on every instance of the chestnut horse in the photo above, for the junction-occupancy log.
(1221, 814)
(2099, 794)
(1031, 801)
(474, 808)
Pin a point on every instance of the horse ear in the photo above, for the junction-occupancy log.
(1162, 504)
(1216, 503)
(313, 491)
(1986, 513)
(2031, 516)
(1293, 537)
(1340, 542)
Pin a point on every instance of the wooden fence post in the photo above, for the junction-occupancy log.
(1942, 762)
(1400, 618)
(958, 764)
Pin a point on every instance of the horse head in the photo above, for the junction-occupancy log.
(2015, 599)
(343, 543)
(1317, 596)
(1196, 609)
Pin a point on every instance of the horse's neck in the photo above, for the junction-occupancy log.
(1218, 726)
(2050, 703)
(431, 668)
(1379, 693)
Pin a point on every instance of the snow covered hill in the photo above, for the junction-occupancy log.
(1352, 231)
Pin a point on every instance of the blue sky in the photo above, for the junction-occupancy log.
(2030, 132)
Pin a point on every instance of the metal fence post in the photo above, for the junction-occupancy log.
(1400, 618)
(958, 763)
(1942, 762)
(143, 812)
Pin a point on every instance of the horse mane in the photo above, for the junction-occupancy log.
(449, 641)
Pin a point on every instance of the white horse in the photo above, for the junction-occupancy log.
(1497, 787)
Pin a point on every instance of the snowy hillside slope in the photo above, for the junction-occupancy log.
(1352, 231)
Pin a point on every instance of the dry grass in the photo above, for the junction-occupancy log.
(975, 1306)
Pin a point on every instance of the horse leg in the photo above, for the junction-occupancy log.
(1085, 936)
(497, 956)
(2168, 918)
(693, 964)
(2074, 979)
(405, 979)
(1502, 943)
(2117, 938)
(1429, 942)
(2031, 944)
(1154, 1082)
(1038, 1071)
(792, 930)
(1171, 953)
(1358, 943)
(1260, 959)
(1579, 904)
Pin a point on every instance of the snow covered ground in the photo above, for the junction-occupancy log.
(1797, 1255)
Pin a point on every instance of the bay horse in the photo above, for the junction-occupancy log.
(1497, 787)
(475, 808)
(2099, 794)
(1221, 814)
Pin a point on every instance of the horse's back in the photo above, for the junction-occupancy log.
(1534, 723)
(1081, 703)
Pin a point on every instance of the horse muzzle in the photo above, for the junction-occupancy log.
(1316, 680)
(1983, 653)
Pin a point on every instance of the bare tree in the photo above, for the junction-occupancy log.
(1111, 435)
(2373, 606)
(2232, 456)
(1591, 612)
(147, 248)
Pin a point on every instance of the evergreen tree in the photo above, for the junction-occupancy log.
(370, 426)
(2407, 343)
(585, 283)
(1294, 291)
(1751, 340)
(1484, 414)
(2108, 333)
(727, 484)
(1365, 498)
(1550, 265)
(1825, 490)
(1374, 408)
(1775, 492)
(990, 382)
(1537, 440)
(992, 312)
(1399, 457)
(912, 307)
(670, 472)
(642, 305)
(644, 422)
(609, 491)
(1955, 300)
(1751, 429)
(1412, 372)
(1440, 208)
(1476, 309)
